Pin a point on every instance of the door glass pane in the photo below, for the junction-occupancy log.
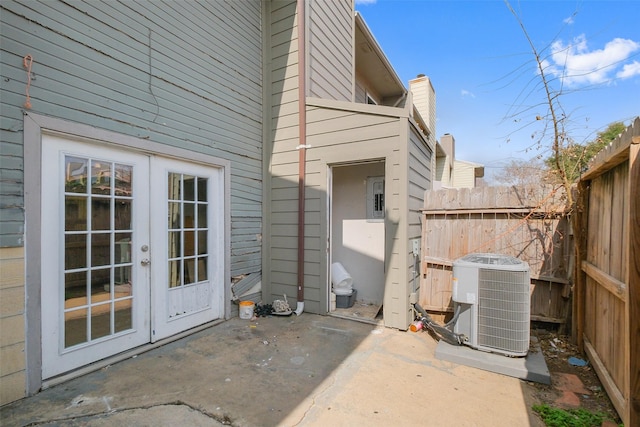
(98, 265)
(174, 215)
(189, 271)
(202, 189)
(100, 213)
(124, 182)
(76, 213)
(100, 285)
(75, 327)
(202, 215)
(189, 243)
(75, 289)
(174, 273)
(100, 321)
(123, 317)
(189, 215)
(202, 242)
(174, 244)
(122, 248)
(122, 280)
(75, 180)
(123, 214)
(174, 186)
(100, 249)
(187, 229)
(100, 177)
(202, 269)
(189, 186)
(75, 251)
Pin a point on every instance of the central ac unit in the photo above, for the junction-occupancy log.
(491, 296)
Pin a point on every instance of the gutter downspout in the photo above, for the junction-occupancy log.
(302, 150)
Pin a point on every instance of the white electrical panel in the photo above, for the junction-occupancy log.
(375, 197)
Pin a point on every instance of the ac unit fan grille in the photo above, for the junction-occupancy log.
(503, 310)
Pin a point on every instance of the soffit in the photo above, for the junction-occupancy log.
(372, 64)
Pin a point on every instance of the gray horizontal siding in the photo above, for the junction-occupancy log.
(355, 136)
(330, 49)
(339, 135)
(420, 173)
(420, 179)
(184, 74)
(280, 243)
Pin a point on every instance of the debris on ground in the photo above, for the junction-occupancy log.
(263, 310)
(576, 361)
(574, 383)
(280, 306)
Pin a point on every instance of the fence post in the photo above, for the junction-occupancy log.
(580, 224)
(633, 287)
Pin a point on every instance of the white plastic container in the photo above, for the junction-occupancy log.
(342, 281)
(246, 309)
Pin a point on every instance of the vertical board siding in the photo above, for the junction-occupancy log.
(330, 32)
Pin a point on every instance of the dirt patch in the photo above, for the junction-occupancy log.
(562, 357)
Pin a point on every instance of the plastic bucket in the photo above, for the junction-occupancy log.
(246, 309)
(342, 291)
(340, 278)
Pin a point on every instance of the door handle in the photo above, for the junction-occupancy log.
(145, 261)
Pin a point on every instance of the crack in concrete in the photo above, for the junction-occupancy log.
(81, 401)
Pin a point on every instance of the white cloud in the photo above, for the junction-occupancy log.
(576, 64)
(629, 70)
(568, 20)
(365, 2)
(465, 92)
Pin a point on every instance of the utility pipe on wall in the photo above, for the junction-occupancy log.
(302, 150)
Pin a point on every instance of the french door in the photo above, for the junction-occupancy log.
(132, 250)
(189, 238)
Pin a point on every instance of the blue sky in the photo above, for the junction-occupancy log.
(484, 73)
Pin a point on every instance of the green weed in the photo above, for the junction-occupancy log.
(554, 417)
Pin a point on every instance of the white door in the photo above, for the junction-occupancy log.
(132, 250)
(95, 284)
(188, 244)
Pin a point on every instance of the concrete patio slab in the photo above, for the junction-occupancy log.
(293, 371)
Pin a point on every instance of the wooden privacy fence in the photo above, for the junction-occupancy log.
(525, 222)
(607, 292)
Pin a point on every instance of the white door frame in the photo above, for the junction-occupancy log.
(35, 125)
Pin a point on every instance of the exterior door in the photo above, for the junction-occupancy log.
(132, 250)
(95, 282)
(188, 244)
